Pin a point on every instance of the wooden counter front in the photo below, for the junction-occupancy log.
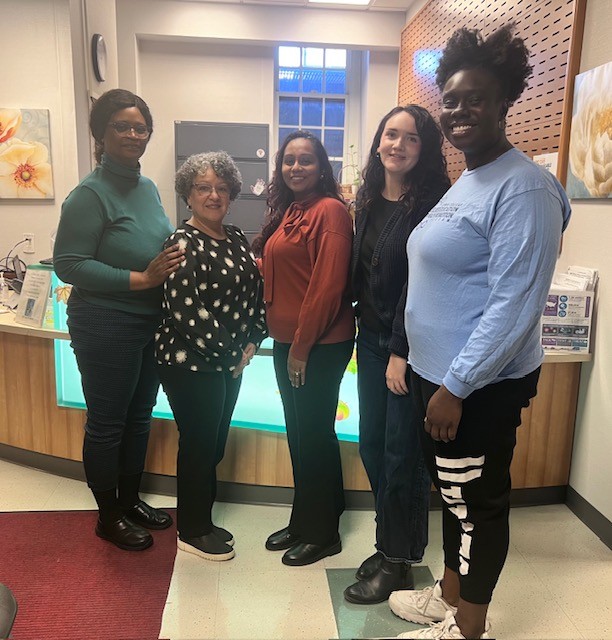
(30, 419)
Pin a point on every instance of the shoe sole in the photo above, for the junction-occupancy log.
(125, 547)
(214, 557)
(331, 551)
(229, 543)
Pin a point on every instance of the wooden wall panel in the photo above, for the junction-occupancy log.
(534, 122)
(30, 419)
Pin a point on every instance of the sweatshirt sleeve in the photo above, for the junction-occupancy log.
(184, 299)
(330, 256)
(80, 231)
(523, 253)
(398, 344)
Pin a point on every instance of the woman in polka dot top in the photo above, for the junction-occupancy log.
(213, 323)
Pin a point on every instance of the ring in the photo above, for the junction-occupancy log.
(297, 374)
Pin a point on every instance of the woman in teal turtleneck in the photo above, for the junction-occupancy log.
(109, 247)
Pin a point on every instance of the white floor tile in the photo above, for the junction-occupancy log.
(290, 604)
(25, 489)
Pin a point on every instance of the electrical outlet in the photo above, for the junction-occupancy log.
(29, 244)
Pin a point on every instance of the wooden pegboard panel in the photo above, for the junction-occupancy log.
(534, 121)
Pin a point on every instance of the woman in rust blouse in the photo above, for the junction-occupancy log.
(306, 247)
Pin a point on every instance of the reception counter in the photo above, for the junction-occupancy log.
(32, 421)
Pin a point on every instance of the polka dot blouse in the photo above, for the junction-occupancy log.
(213, 304)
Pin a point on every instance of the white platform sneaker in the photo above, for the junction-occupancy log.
(423, 606)
(447, 629)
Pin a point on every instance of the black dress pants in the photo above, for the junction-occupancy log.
(310, 415)
(202, 404)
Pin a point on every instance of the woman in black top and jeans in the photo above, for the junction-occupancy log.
(404, 178)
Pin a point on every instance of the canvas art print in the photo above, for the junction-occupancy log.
(25, 154)
(590, 158)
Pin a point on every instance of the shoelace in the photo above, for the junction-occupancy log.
(423, 600)
(440, 630)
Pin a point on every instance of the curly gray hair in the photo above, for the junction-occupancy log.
(219, 161)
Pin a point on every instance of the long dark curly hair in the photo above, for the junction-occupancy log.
(428, 175)
(503, 55)
(280, 195)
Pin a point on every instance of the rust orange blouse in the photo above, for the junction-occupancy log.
(306, 276)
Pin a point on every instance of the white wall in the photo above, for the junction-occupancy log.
(42, 79)
(207, 61)
(587, 243)
(206, 81)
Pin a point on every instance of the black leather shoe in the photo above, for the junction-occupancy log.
(281, 540)
(369, 566)
(148, 517)
(303, 553)
(391, 576)
(125, 534)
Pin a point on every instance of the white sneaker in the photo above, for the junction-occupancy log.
(445, 630)
(424, 606)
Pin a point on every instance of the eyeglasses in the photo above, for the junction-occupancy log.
(139, 130)
(207, 189)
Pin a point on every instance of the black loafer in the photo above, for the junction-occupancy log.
(303, 553)
(391, 576)
(148, 517)
(281, 540)
(125, 534)
(369, 566)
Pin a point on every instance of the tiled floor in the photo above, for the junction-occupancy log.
(556, 584)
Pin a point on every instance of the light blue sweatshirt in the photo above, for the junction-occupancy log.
(481, 264)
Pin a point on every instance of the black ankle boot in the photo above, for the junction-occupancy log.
(113, 526)
(391, 576)
(369, 566)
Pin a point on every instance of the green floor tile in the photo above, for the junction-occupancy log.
(355, 621)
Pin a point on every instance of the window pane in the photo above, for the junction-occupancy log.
(336, 166)
(289, 56)
(283, 132)
(315, 131)
(288, 80)
(312, 80)
(334, 142)
(334, 113)
(289, 111)
(335, 81)
(312, 112)
(312, 57)
(335, 58)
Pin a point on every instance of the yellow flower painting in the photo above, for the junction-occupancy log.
(590, 156)
(25, 158)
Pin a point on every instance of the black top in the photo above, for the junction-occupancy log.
(368, 315)
(388, 273)
(213, 305)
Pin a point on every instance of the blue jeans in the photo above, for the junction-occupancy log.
(391, 454)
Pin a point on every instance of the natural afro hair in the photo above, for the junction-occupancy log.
(502, 54)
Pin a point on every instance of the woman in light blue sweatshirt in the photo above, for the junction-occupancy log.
(481, 264)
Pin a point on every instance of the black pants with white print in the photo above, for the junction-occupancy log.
(472, 474)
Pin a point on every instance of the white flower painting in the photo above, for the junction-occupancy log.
(25, 154)
(590, 156)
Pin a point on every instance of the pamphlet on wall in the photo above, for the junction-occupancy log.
(548, 161)
(567, 319)
(34, 297)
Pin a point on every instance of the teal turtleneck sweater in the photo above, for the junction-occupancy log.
(111, 223)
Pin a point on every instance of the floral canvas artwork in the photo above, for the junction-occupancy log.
(590, 157)
(25, 154)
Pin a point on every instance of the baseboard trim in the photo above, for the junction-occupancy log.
(590, 516)
(257, 494)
